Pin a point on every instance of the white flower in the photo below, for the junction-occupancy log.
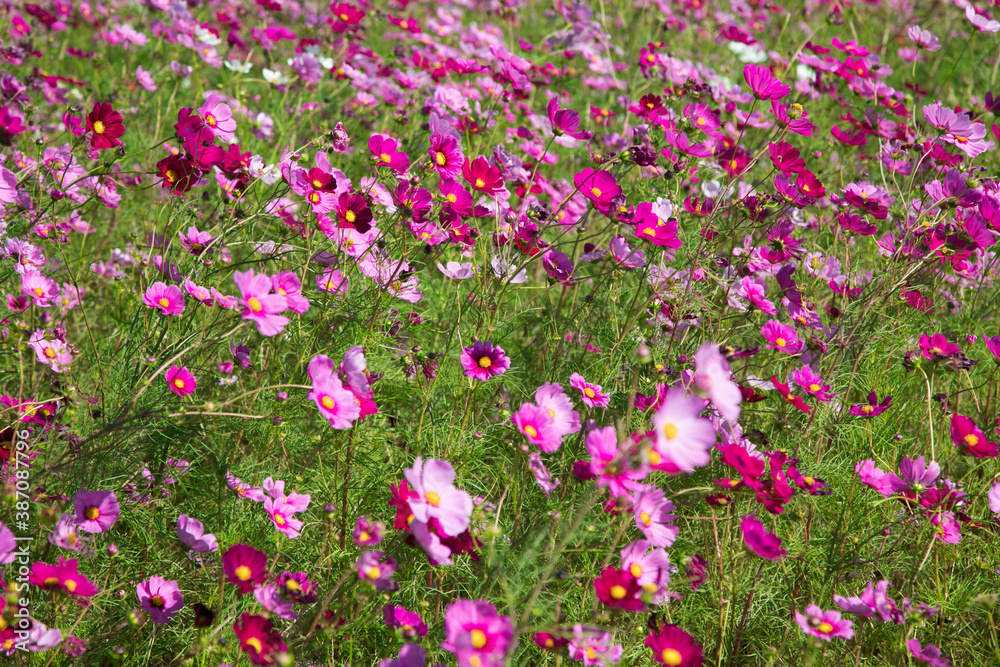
(237, 66)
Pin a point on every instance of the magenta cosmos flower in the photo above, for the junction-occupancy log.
(160, 597)
(599, 187)
(537, 426)
(654, 516)
(969, 439)
(62, 576)
(245, 566)
(259, 304)
(565, 121)
(592, 394)
(436, 496)
(782, 337)
(824, 624)
(872, 408)
(368, 533)
(477, 634)
(180, 381)
(95, 510)
(763, 85)
(482, 176)
(384, 153)
(675, 648)
(375, 569)
(484, 360)
(683, 438)
(618, 589)
(169, 299)
(764, 544)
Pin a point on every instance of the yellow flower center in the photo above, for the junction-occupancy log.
(70, 585)
(385, 157)
(670, 431)
(588, 392)
(591, 653)
(327, 403)
(814, 387)
(254, 643)
(618, 592)
(635, 569)
(433, 498)
(645, 518)
(50, 353)
(280, 520)
(809, 480)
(164, 302)
(179, 383)
(51, 581)
(38, 291)
(672, 657)
(531, 431)
(373, 572)
(350, 215)
(441, 159)
(98, 127)
(866, 409)
(780, 342)
(971, 440)
(825, 628)
(478, 638)
(452, 198)
(595, 191)
(364, 536)
(92, 513)
(654, 457)
(255, 304)
(243, 573)
(480, 183)
(156, 601)
(485, 362)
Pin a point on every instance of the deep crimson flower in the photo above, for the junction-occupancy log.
(258, 638)
(786, 158)
(353, 212)
(675, 648)
(969, 439)
(245, 566)
(482, 177)
(872, 408)
(619, 589)
(106, 125)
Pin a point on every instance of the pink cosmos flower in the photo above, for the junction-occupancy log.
(287, 284)
(764, 544)
(281, 508)
(168, 299)
(609, 464)
(270, 598)
(436, 496)
(754, 291)
(994, 498)
(713, 379)
(161, 598)
(928, 654)
(551, 397)
(763, 84)
(259, 304)
(484, 360)
(782, 337)
(537, 426)
(39, 288)
(332, 281)
(367, 533)
(96, 510)
(337, 404)
(218, 118)
(598, 186)
(8, 545)
(683, 438)
(446, 156)
(477, 634)
(145, 79)
(50, 349)
(651, 569)
(651, 227)
(824, 624)
(937, 347)
(541, 474)
(377, 570)
(192, 534)
(654, 516)
(592, 394)
(593, 647)
(925, 39)
(244, 490)
(181, 381)
(565, 121)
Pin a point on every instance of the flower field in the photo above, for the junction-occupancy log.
(500, 333)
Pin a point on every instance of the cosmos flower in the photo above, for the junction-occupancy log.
(258, 638)
(484, 360)
(763, 84)
(218, 118)
(244, 566)
(181, 381)
(477, 634)
(592, 394)
(674, 647)
(106, 125)
(825, 625)
(758, 540)
(61, 577)
(192, 534)
(259, 305)
(436, 496)
(168, 299)
(160, 597)
(683, 438)
(96, 511)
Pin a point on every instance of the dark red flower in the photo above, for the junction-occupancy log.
(258, 638)
(106, 125)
